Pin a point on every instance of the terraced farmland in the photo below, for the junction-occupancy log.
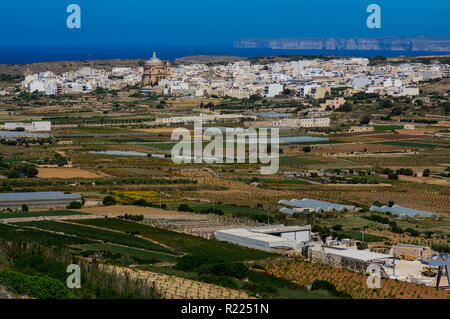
(97, 234)
(186, 243)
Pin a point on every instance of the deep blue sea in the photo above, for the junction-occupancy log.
(27, 54)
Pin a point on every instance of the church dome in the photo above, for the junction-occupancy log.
(154, 60)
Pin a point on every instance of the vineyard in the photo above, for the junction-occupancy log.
(423, 196)
(305, 273)
(180, 241)
(96, 234)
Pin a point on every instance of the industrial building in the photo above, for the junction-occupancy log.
(303, 122)
(310, 205)
(403, 211)
(354, 259)
(41, 200)
(267, 238)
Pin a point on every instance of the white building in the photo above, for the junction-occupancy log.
(361, 82)
(44, 126)
(267, 238)
(304, 122)
(273, 89)
(201, 118)
(410, 92)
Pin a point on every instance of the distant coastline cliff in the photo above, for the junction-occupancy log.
(424, 44)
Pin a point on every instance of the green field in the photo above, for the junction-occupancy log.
(411, 144)
(387, 127)
(141, 255)
(97, 234)
(162, 146)
(40, 214)
(227, 209)
(35, 236)
(186, 243)
(355, 234)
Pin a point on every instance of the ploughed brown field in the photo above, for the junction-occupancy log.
(65, 173)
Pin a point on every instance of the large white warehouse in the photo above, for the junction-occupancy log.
(267, 237)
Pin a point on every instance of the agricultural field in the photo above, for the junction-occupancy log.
(65, 173)
(146, 226)
(305, 273)
(117, 210)
(362, 148)
(96, 234)
(39, 214)
(180, 241)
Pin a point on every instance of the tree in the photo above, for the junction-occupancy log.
(377, 203)
(413, 232)
(387, 104)
(393, 176)
(365, 119)
(185, 208)
(31, 171)
(346, 107)
(396, 111)
(13, 174)
(361, 245)
(306, 149)
(109, 200)
(446, 107)
(74, 205)
(322, 231)
(61, 160)
(25, 208)
(391, 203)
(426, 172)
(405, 171)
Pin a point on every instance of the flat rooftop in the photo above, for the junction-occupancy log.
(280, 229)
(244, 233)
(356, 254)
(410, 246)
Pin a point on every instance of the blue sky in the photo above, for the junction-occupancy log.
(212, 22)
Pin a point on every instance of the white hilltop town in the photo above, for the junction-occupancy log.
(312, 78)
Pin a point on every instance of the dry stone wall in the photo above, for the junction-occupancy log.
(171, 287)
(337, 261)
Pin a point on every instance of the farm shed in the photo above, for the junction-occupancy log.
(266, 237)
(403, 211)
(297, 233)
(43, 200)
(353, 259)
